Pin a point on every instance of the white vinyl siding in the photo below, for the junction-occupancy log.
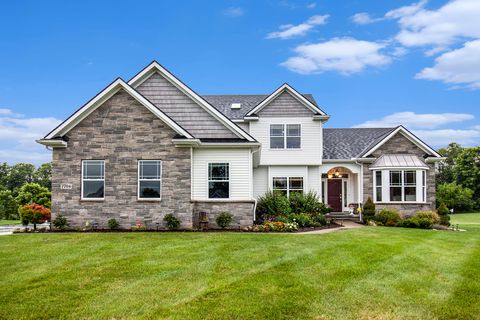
(260, 181)
(310, 152)
(240, 175)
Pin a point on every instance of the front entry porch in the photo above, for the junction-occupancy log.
(340, 189)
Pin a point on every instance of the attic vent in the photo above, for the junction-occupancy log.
(236, 105)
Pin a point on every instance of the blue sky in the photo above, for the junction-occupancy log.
(368, 63)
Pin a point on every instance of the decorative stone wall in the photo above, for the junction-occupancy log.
(399, 144)
(121, 132)
(242, 212)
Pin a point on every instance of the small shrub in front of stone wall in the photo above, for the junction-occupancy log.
(60, 222)
(171, 222)
(224, 220)
(387, 217)
(113, 224)
(368, 210)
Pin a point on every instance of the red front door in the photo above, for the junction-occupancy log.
(335, 194)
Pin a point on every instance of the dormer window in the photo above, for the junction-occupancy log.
(236, 105)
(285, 136)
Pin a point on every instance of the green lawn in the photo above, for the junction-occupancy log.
(9, 222)
(367, 273)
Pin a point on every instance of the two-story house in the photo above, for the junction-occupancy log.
(151, 146)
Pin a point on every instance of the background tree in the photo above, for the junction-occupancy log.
(8, 205)
(34, 193)
(19, 174)
(467, 170)
(34, 213)
(445, 172)
(455, 197)
(43, 175)
(4, 174)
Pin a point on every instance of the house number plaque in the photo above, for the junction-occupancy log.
(66, 186)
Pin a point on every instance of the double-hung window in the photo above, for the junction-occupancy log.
(288, 185)
(93, 179)
(218, 180)
(400, 186)
(285, 136)
(149, 179)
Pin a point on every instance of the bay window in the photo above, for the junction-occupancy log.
(399, 185)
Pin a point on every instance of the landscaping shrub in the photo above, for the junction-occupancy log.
(443, 213)
(34, 193)
(455, 197)
(387, 217)
(171, 221)
(415, 222)
(60, 222)
(272, 205)
(34, 213)
(368, 210)
(307, 202)
(224, 219)
(319, 219)
(303, 220)
(430, 215)
(113, 224)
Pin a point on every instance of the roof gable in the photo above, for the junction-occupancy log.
(294, 93)
(103, 96)
(408, 135)
(155, 68)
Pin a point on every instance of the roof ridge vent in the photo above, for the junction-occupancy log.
(236, 105)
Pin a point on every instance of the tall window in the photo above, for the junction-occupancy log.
(396, 185)
(424, 189)
(378, 186)
(288, 185)
(149, 179)
(285, 136)
(410, 185)
(218, 181)
(93, 179)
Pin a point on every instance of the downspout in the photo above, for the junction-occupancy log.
(360, 192)
(254, 200)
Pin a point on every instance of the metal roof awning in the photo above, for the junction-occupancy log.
(399, 161)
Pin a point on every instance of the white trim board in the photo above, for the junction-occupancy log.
(156, 67)
(286, 88)
(103, 96)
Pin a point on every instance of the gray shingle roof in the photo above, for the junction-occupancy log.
(248, 101)
(347, 143)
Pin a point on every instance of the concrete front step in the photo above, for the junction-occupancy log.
(343, 215)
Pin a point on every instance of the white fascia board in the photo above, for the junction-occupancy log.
(230, 144)
(53, 143)
(364, 160)
(434, 159)
(276, 93)
(321, 118)
(338, 160)
(156, 67)
(407, 134)
(103, 96)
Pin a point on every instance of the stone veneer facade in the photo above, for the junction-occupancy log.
(121, 132)
(399, 144)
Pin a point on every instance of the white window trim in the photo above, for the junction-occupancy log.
(288, 183)
(159, 180)
(285, 136)
(83, 179)
(229, 181)
(420, 189)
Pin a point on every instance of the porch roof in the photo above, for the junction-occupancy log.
(399, 161)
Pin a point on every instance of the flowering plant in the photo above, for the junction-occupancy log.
(276, 226)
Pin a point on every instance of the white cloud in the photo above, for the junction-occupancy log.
(234, 12)
(290, 31)
(442, 137)
(18, 135)
(456, 20)
(425, 126)
(311, 5)
(414, 120)
(458, 67)
(364, 18)
(344, 55)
